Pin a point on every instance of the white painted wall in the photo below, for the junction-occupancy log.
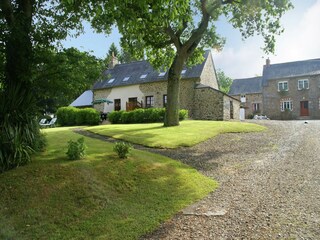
(123, 93)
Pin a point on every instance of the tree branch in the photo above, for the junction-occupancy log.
(174, 37)
(197, 34)
(7, 10)
(180, 31)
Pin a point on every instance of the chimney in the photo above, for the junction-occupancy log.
(113, 61)
(267, 62)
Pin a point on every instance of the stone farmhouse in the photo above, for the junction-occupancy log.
(137, 85)
(285, 91)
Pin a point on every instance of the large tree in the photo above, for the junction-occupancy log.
(59, 77)
(27, 26)
(174, 33)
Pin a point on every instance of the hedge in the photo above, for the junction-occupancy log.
(71, 116)
(140, 115)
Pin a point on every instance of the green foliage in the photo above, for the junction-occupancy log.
(71, 116)
(224, 81)
(122, 149)
(183, 114)
(19, 129)
(115, 116)
(76, 149)
(51, 68)
(141, 115)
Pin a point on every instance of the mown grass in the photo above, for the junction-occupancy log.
(99, 197)
(189, 133)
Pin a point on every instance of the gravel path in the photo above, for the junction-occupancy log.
(269, 185)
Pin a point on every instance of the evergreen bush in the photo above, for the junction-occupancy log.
(71, 116)
(76, 149)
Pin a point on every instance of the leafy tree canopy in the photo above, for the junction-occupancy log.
(224, 81)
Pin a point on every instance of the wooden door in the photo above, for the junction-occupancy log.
(304, 108)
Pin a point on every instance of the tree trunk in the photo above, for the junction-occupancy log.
(173, 91)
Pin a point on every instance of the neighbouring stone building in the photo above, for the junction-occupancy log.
(289, 90)
(249, 92)
(138, 85)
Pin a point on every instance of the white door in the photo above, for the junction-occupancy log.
(242, 113)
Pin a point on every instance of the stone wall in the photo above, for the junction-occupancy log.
(272, 98)
(98, 94)
(210, 104)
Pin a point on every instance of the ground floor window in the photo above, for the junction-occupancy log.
(149, 101)
(165, 100)
(256, 107)
(286, 105)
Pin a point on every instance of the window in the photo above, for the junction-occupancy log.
(256, 107)
(149, 101)
(165, 100)
(143, 76)
(282, 86)
(303, 84)
(161, 74)
(117, 104)
(243, 98)
(286, 105)
(126, 79)
(183, 71)
(111, 80)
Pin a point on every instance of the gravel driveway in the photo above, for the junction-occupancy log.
(269, 185)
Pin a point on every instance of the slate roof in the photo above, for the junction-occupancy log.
(291, 69)
(246, 85)
(85, 99)
(135, 70)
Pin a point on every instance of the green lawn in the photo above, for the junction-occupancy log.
(100, 197)
(189, 133)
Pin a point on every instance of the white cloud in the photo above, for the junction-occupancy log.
(299, 41)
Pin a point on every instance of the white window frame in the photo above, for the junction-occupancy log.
(183, 71)
(286, 104)
(125, 79)
(283, 83)
(304, 83)
(111, 80)
(243, 98)
(254, 107)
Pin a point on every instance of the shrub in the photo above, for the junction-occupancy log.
(92, 116)
(76, 149)
(140, 115)
(67, 116)
(122, 149)
(70, 116)
(115, 116)
(183, 114)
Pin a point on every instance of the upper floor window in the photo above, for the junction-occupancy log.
(286, 105)
(303, 84)
(126, 79)
(243, 98)
(283, 86)
(143, 76)
(161, 74)
(149, 101)
(256, 107)
(183, 71)
(111, 80)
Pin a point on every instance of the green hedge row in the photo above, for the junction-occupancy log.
(140, 115)
(71, 116)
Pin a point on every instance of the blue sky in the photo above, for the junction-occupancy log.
(239, 58)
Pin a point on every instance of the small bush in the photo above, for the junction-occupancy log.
(76, 149)
(183, 114)
(122, 149)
